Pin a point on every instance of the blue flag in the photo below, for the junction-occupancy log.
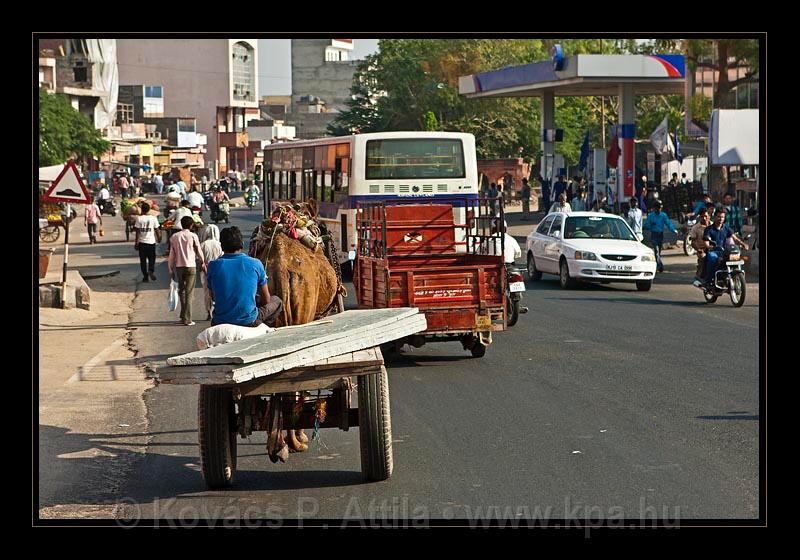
(584, 152)
(678, 154)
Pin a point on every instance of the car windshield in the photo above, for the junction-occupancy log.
(596, 227)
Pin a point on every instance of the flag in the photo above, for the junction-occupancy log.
(660, 137)
(613, 153)
(584, 153)
(678, 154)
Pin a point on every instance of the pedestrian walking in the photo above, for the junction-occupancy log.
(579, 203)
(493, 194)
(733, 216)
(545, 192)
(212, 250)
(559, 187)
(526, 200)
(123, 185)
(184, 252)
(634, 218)
(656, 222)
(91, 218)
(147, 236)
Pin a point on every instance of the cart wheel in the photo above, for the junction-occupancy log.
(216, 430)
(375, 426)
(49, 234)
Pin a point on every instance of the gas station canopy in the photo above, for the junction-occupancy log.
(581, 75)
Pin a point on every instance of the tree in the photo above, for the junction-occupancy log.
(64, 133)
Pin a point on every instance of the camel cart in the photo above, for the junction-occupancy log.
(296, 378)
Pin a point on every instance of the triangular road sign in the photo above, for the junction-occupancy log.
(68, 187)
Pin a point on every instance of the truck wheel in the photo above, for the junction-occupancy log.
(478, 350)
(216, 430)
(375, 426)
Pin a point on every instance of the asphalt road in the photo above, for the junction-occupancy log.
(603, 402)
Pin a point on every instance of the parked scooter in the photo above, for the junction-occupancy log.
(728, 278)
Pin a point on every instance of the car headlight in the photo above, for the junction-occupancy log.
(734, 256)
(650, 257)
(585, 256)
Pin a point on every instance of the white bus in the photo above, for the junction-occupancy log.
(340, 172)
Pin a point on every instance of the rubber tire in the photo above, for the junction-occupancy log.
(533, 273)
(216, 435)
(563, 277)
(688, 250)
(513, 311)
(375, 426)
(478, 350)
(740, 277)
(113, 213)
(644, 286)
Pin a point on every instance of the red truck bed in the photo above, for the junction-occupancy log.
(414, 260)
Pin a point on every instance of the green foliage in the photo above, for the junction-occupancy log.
(64, 133)
(430, 121)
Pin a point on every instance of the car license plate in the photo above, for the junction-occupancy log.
(517, 287)
(483, 322)
(619, 267)
(734, 263)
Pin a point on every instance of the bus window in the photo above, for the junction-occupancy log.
(327, 188)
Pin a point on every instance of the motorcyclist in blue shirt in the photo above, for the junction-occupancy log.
(656, 222)
(718, 233)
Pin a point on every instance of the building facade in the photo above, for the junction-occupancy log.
(214, 80)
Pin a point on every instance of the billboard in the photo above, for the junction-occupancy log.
(733, 138)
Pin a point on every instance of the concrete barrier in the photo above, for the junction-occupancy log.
(78, 293)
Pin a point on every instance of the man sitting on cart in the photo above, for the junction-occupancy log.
(237, 283)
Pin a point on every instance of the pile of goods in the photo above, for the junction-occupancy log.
(51, 212)
(132, 207)
(298, 221)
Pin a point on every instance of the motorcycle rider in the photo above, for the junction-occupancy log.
(251, 193)
(719, 233)
(218, 196)
(703, 221)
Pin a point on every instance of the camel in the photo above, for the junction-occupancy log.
(306, 283)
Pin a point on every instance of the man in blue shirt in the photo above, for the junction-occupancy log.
(719, 233)
(656, 222)
(238, 286)
(559, 187)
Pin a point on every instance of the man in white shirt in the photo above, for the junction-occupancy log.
(562, 205)
(103, 195)
(146, 227)
(195, 198)
(635, 218)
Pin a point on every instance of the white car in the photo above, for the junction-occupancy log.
(590, 247)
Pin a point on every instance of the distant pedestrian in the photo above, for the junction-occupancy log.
(634, 218)
(545, 191)
(674, 181)
(493, 194)
(184, 252)
(684, 180)
(212, 250)
(147, 233)
(91, 218)
(124, 184)
(526, 200)
(579, 203)
(656, 222)
(562, 205)
(559, 187)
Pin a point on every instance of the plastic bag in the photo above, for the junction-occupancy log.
(172, 298)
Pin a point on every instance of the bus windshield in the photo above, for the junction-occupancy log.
(595, 227)
(415, 158)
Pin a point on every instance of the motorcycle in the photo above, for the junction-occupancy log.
(252, 200)
(515, 287)
(221, 212)
(728, 278)
(686, 234)
(107, 207)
